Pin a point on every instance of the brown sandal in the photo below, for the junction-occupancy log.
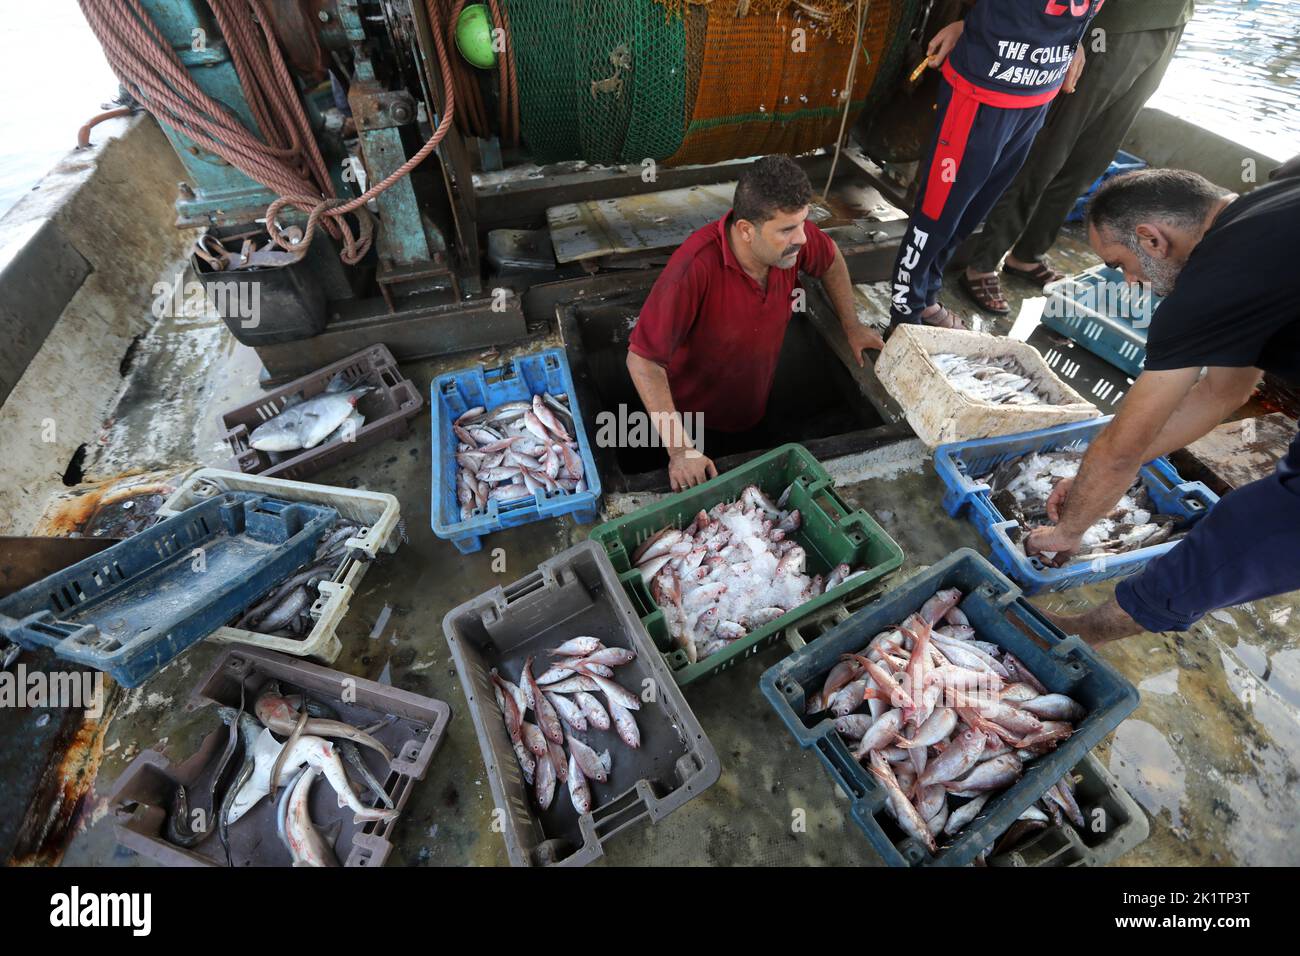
(986, 292)
(1040, 275)
(943, 319)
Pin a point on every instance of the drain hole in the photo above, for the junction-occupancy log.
(73, 475)
(128, 358)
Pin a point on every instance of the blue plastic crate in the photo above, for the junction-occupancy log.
(133, 607)
(1122, 163)
(961, 464)
(1117, 331)
(517, 380)
(999, 613)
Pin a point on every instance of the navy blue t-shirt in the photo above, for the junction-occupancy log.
(1021, 47)
(1234, 305)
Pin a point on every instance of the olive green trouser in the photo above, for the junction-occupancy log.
(1080, 138)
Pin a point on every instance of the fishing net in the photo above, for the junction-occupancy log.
(764, 88)
(906, 15)
(836, 17)
(541, 35)
(690, 81)
(601, 80)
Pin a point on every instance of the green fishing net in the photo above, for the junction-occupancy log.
(600, 80)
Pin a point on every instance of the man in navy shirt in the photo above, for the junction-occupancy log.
(1002, 66)
(1224, 263)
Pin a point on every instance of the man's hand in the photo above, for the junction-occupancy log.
(1052, 545)
(1056, 500)
(688, 468)
(943, 43)
(1075, 71)
(862, 337)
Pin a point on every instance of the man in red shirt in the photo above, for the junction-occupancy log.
(709, 335)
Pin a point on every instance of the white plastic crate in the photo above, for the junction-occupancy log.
(940, 413)
(378, 512)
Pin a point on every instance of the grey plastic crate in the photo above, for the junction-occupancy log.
(142, 795)
(1115, 824)
(576, 593)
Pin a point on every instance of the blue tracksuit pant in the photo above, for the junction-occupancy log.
(975, 154)
(1247, 547)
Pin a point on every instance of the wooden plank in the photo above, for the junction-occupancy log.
(594, 228)
(1237, 453)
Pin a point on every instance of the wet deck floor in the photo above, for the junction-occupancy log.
(1211, 753)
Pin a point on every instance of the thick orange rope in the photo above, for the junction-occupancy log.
(286, 159)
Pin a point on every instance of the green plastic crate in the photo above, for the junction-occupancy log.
(831, 533)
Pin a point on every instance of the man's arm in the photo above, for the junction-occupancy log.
(1216, 396)
(839, 289)
(1113, 459)
(686, 466)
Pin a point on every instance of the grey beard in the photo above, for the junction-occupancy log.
(1161, 273)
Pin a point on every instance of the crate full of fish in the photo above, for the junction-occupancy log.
(320, 419)
(509, 448)
(721, 570)
(583, 731)
(1002, 485)
(135, 606)
(345, 753)
(1093, 822)
(946, 710)
(955, 385)
(1104, 314)
(301, 614)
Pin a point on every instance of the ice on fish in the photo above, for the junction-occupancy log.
(1029, 482)
(999, 381)
(732, 570)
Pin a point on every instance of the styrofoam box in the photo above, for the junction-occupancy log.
(939, 412)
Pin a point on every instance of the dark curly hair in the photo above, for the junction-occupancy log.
(774, 183)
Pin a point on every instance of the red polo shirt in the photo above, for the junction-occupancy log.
(716, 331)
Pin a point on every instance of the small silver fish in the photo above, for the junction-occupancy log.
(579, 792)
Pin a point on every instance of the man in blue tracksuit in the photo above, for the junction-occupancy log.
(1002, 67)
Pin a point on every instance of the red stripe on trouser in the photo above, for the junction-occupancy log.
(998, 98)
(948, 153)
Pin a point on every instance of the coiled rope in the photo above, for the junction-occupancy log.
(285, 157)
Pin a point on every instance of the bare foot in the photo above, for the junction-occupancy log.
(1101, 625)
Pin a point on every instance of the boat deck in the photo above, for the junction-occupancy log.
(1211, 753)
